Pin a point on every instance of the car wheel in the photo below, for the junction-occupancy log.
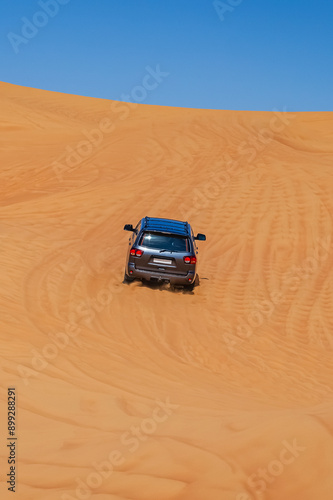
(127, 279)
(192, 285)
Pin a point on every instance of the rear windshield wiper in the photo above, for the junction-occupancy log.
(170, 251)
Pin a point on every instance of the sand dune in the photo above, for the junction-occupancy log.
(138, 392)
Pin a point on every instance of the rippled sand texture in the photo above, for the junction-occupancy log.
(137, 392)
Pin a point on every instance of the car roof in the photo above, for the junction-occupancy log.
(166, 226)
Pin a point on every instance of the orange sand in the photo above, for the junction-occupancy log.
(138, 392)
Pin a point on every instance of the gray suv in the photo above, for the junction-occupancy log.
(162, 250)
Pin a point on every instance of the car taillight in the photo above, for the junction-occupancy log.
(190, 260)
(135, 252)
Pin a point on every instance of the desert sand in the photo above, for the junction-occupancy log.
(139, 392)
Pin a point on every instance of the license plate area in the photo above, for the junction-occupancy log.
(166, 262)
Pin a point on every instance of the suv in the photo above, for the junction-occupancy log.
(162, 250)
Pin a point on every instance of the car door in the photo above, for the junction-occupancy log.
(195, 248)
(132, 237)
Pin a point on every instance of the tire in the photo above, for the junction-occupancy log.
(128, 279)
(193, 285)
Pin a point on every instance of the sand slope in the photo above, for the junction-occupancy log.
(136, 392)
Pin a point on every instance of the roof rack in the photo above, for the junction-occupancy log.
(167, 225)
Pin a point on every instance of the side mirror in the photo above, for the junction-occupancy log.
(200, 236)
(128, 227)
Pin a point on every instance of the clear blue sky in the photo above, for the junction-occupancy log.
(257, 55)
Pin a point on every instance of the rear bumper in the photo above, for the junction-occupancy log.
(154, 275)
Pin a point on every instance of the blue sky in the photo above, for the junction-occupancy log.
(251, 55)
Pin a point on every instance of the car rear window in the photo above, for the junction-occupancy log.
(162, 241)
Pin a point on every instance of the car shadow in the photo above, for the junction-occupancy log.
(162, 287)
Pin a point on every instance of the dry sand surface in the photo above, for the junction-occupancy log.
(138, 392)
